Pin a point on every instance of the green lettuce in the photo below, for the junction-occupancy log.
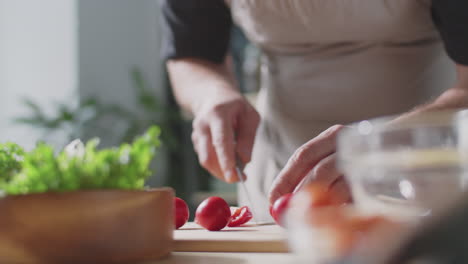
(77, 167)
(11, 156)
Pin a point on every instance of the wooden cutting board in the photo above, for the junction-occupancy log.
(261, 238)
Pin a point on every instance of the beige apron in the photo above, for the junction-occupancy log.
(332, 62)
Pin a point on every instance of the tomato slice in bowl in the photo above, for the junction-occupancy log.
(240, 216)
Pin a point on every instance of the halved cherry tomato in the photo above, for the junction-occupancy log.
(279, 207)
(181, 212)
(213, 213)
(241, 216)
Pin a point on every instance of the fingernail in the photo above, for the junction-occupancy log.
(273, 196)
(229, 176)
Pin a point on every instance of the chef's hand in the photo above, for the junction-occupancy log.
(313, 161)
(224, 125)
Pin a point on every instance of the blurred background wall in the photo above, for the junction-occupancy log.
(38, 59)
(113, 37)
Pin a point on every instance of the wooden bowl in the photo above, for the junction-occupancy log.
(104, 226)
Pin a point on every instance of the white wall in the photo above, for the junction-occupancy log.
(52, 50)
(115, 35)
(37, 59)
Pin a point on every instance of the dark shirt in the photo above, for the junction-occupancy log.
(201, 28)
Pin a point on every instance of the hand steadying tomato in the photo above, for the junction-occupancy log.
(279, 207)
(241, 216)
(315, 195)
(213, 213)
(181, 212)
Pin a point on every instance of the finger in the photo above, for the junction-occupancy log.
(305, 158)
(325, 172)
(246, 131)
(222, 134)
(210, 160)
(199, 143)
(206, 154)
(340, 191)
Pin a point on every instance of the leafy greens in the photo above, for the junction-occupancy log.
(41, 170)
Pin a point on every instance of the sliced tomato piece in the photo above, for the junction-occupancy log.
(240, 216)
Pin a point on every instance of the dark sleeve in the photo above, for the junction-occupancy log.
(196, 28)
(451, 18)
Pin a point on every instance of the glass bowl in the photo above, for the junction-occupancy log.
(334, 233)
(400, 172)
(405, 168)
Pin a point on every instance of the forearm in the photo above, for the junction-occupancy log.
(195, 81)
(454, 98)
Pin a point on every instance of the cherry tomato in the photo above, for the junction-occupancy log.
(181, 212)
(241, 216)
(213, 213)
(279, 207)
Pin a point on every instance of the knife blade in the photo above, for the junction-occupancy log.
(240, 173)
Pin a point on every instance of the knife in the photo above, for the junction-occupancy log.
(240, 173)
